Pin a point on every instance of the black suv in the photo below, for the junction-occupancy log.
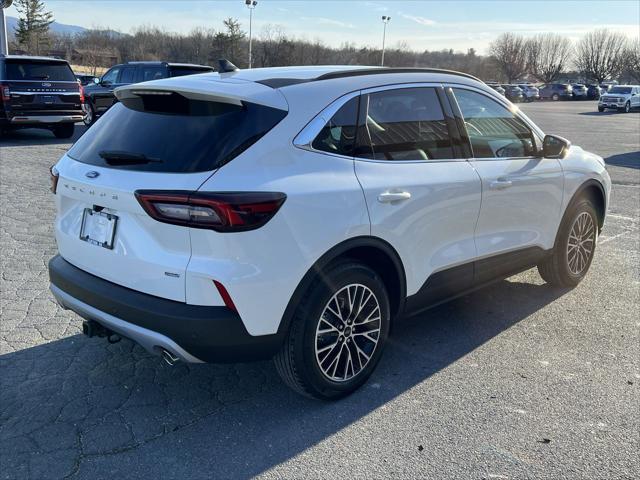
(39, 92)
(99, 96)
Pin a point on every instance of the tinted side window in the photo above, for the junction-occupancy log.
(152, 73)
(111, 76)
(339, 134)
(493, 130)
(403, 124)
(128, 75)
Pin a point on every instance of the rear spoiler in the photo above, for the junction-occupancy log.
(208, 87)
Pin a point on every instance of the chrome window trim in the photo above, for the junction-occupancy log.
(307, 135)
(509, 106)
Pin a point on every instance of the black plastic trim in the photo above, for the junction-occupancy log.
(460, 280)
(212, 334)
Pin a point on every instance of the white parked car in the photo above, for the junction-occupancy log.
(297, 212)
(621, 97)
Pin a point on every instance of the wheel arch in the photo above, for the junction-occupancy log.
(371, 251)
(593, 190)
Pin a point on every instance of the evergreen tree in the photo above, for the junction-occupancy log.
(32, 32)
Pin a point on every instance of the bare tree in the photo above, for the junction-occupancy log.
(631, 61)
(510, 53)
(547, 56)
(600, 54)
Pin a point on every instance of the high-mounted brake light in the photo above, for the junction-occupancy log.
(222, 212)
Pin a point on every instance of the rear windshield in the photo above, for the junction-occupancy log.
(621, 90)
(192, 136)
(38, 70)
(181, 71)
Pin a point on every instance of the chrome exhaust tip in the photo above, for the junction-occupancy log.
(169, 357)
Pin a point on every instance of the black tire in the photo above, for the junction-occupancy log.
(64, 131)
(556, 269)
(297, 361)
(627, 107)
(90, 116)
(601, 109)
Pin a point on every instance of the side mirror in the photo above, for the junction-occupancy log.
(555, 147)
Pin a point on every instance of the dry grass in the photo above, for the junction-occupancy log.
(83, 69)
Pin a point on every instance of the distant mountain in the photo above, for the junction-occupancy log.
(55, 27)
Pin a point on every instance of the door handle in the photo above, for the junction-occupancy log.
(390, 197)
(500, 184)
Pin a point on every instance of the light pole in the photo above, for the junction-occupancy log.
(4, 43)
(385, 20)
(251, 4)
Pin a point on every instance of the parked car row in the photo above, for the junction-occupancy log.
(42, 92)
(552, 91)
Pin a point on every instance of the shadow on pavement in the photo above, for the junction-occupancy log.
(37, 136)
(629, 160)
(82, 406)
(607, 112)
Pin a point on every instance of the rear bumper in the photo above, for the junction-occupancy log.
(45, 119)
(193, 333)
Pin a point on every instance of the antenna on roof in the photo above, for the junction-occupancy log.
(225, 66)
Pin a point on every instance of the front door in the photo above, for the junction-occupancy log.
(521, 190)
(421, 198)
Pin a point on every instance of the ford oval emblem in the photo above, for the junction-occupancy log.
(46, 84)
(92, 174)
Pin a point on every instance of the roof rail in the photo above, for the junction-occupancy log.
(149, 62)
(385, 70)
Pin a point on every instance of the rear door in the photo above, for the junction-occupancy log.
(423, 196)
(521, 190)
(40, 87)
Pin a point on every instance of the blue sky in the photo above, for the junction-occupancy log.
(422, 24)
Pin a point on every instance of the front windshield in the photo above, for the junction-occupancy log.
(622, 90)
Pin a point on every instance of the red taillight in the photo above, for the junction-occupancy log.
(5, 91)
(222, 212)
(53, 172)
(81, 93)
(225, 296)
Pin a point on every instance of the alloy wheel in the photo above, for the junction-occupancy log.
(348, 332)
(582, 238)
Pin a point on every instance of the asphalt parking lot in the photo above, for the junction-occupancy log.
(514, 381)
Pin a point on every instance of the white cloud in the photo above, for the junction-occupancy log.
(328, 21)
(417, 19)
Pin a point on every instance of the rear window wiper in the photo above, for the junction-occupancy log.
(115, 157)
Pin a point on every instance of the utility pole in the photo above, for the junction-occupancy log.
(385, 20)
(251, 4)
(4, 43)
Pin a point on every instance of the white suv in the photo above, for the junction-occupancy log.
(296, 213)
(623, 98)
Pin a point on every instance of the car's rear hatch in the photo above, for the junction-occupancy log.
(161, 136)
(39, 87)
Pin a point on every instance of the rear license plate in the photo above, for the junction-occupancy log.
(47, 99)
(98, 228)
